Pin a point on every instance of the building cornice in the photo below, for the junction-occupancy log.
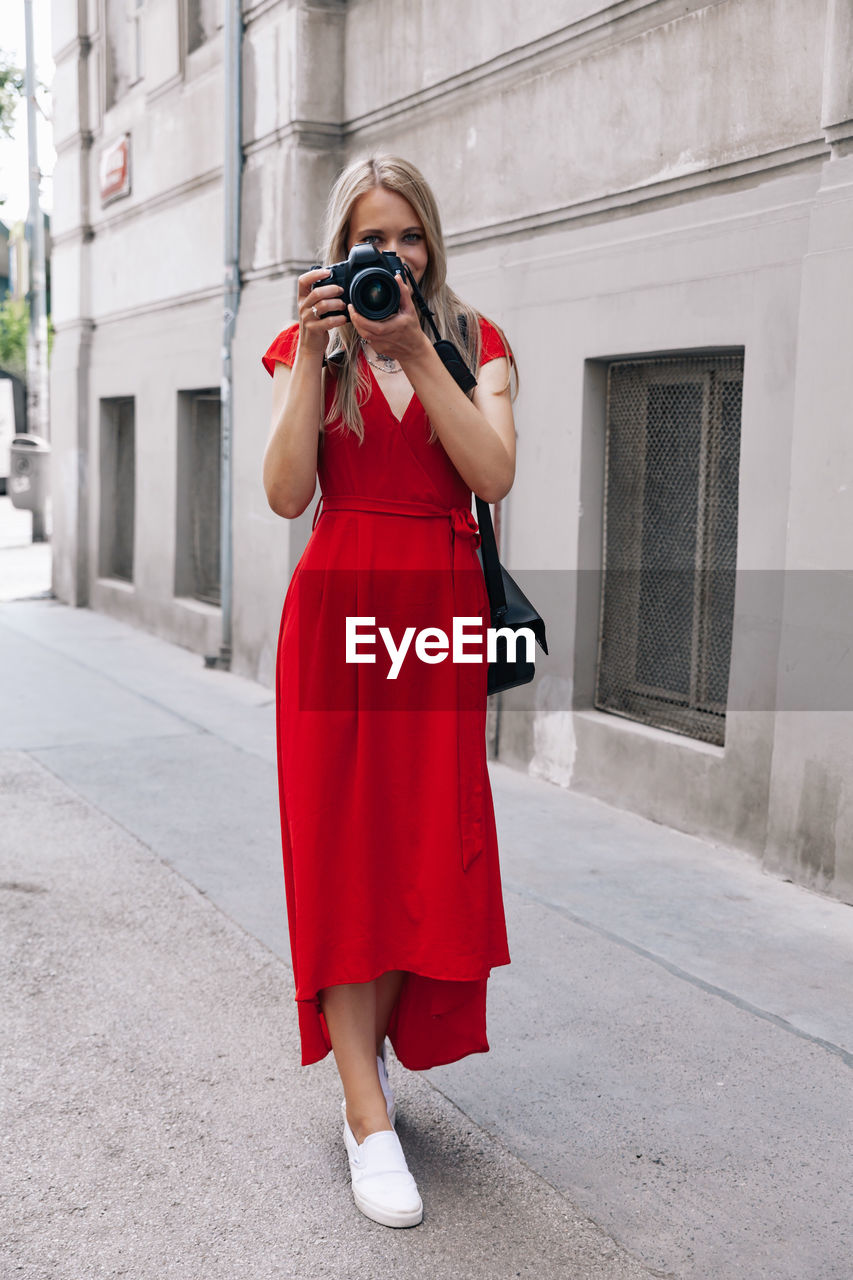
(630, 200)
(623, 202)
(612, 25)
(192, 298)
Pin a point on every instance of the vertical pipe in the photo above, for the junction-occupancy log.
(38, 415)
(231, 191)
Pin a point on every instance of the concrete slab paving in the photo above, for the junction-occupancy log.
(688, 1128)
(25, 566)
(671, 1047)
(207, 807)
(706, 909)
(82, 645)
(49, 700)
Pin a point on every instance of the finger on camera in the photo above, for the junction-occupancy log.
(327, 307)
(316, 296)
(328, 290)
(406, 296)
(310, 278)
(378, 330)
(361, 325)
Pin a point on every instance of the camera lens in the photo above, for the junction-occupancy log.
(375, 294)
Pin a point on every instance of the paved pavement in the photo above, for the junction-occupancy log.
(668, 1090)
(25, 565)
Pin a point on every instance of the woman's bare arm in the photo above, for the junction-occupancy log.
(290, 459)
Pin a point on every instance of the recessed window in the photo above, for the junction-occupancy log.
(197, 551)
(122, 47)
(117, 488)
(204, 18)
(670, 541)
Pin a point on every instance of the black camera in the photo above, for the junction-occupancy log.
(367, 279)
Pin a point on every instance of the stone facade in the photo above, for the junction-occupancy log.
(616, 180)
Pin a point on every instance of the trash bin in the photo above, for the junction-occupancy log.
(28, 479)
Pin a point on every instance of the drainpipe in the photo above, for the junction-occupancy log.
(38, 408)
(231, 190)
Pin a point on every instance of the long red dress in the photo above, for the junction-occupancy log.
(388, 830)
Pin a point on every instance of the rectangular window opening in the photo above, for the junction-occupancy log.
(204, 18)
(117, 488)
(197, 561)
(670, 541)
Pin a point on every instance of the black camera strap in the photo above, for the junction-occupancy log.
(448, 354)
(428, 315)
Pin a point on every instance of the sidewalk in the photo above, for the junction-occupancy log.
(24, 565)
(668, 1090)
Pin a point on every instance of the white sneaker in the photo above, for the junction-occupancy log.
(382, 1186)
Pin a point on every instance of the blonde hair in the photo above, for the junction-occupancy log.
(455, 319)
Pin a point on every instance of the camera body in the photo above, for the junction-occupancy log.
(367, 279)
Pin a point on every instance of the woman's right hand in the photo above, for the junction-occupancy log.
(315, 326)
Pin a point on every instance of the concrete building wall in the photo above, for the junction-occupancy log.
(616, 180)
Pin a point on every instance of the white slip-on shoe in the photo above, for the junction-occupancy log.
(382, 1186)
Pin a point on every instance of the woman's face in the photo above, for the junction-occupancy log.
(384, 218)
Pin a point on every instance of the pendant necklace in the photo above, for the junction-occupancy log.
(386, 363)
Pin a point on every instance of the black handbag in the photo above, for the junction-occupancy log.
(509, 606)
(510, 609)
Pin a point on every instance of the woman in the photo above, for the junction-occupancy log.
(390, 852)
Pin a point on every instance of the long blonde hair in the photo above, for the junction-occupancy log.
(455, 319)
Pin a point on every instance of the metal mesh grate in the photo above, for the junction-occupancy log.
(670, 539)
(205, 497)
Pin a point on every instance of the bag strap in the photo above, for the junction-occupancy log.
(491, 563)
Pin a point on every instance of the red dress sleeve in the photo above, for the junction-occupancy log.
(283, 349)
(493, 342)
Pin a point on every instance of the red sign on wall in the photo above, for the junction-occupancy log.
(115, 170)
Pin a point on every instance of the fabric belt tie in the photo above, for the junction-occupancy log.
(463, 528)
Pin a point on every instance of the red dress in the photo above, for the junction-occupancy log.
(388, 830)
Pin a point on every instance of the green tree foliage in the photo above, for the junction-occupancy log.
(13, 89)
(14, 326)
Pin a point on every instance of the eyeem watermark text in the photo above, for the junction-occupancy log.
(433, 645)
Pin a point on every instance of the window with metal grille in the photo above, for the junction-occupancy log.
(117, 488)
(670, 540)
(197, 555)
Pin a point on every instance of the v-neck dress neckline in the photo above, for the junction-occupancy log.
(385, 400)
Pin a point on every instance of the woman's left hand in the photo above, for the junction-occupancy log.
(400, 336)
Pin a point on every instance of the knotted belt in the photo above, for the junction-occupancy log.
(469, 750)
